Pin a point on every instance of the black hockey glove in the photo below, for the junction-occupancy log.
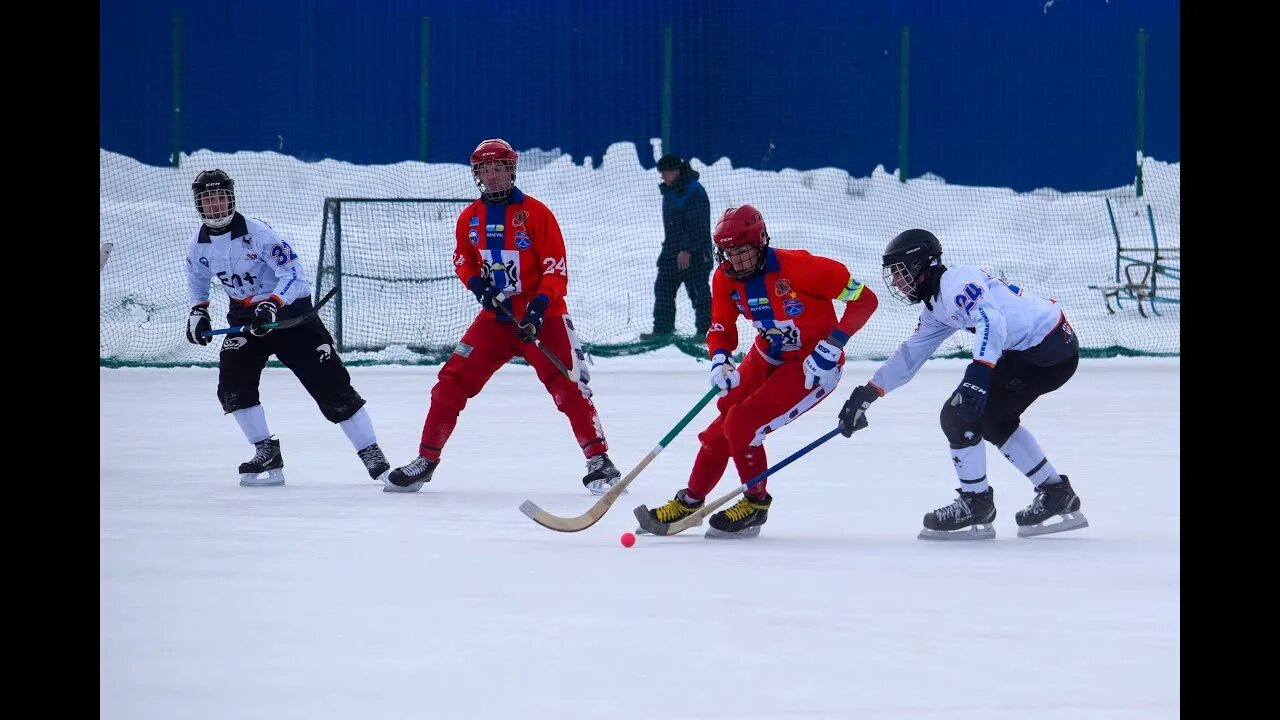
(853, 416)
(264, 313)
(489, 297)
(970, 398)
(534, 314)
(198, 325)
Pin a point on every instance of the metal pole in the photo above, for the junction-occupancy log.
(904, 103)
(176, 131)
(424, 101)
(1142, 103)
(666, 88)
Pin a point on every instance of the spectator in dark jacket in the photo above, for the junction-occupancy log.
(686, 256)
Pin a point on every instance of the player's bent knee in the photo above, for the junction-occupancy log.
(998, 431)
(234, 399)
(448, 394)
(959, 433)
(342, 407)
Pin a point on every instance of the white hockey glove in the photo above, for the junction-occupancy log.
(198, 325)
(821, 364)
(723, 374)
(263, 314)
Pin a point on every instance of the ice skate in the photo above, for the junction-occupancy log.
(601, 475)
(970, 517)
(676, 509)
(411, 477)
(266, 459)
(742, 520)
(374, 462)
(1056, 500)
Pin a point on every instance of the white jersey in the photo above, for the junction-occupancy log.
(1000, 315)
(250, 259)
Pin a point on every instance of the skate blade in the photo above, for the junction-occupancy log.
(642, 531)
(1070, 521)
(273, 478)
(977, 532)
(388, 486)
(750, 532)
(598, 488)
(382, 477)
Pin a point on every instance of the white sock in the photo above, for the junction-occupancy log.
(971, 467)
(253, 423)
(1022, 450)
(359, 430)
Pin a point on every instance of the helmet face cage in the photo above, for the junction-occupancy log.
(901, 281)
(497, 160)
(741, 227)
(723, 250)
(906, 259)
(215, 198)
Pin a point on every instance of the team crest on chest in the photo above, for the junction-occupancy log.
(782, 286)
(518, 219)
(792, 307)
(522, 240)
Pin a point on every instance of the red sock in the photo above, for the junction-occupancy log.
(751, 463)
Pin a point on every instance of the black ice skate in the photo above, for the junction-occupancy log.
(676, 509)
(601, 475)
(411, 477)
(266, 459)
(970, 517)
(1052, 500)
(374, 461)
(742, 520)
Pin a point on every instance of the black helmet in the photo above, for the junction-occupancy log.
(216, 185)
(905, 260)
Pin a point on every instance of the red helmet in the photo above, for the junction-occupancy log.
(498, 150)
(741, 226)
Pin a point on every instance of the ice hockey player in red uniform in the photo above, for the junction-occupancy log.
(510, 254)
(794, 363)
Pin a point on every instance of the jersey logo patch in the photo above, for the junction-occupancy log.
(518, 219)
(792, 307)
(204, 261)
(782, 286)
(474, 222)
(522, 240)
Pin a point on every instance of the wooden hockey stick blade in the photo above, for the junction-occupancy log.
(283, 324)
(601, 506)
(595, 512)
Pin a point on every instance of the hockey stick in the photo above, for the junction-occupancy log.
(573, 376)
(282, 325)
(597, 511)
(659, 528)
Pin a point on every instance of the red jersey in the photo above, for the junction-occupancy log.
(518, 246)
(789, 304)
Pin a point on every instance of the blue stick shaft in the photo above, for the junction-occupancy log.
(791, 458)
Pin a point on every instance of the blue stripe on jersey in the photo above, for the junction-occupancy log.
(495, 241)
(761, 309)
(288, 285)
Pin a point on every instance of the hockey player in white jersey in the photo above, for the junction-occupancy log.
(265, 283)
(1023, 347)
